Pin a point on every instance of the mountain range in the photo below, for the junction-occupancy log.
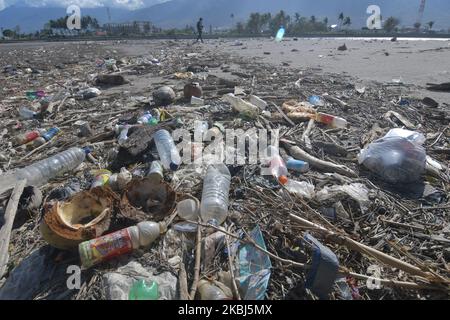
(224, 13)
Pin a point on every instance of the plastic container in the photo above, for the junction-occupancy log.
(216, 188)
(142, 290)
(168, 153)
(280, 34)
(297, 165)
(333, 121)
(42, 171)
(50, 134)
(395, 159)
(118, 243)
(26, 113)
(277, 167)
(243, 107)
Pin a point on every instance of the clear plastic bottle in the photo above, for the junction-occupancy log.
(168, 153)
(216, 187)
(123, 136)
(277, 167)
(26, 113)
(40, 172)
(333, 121)
(118, 243)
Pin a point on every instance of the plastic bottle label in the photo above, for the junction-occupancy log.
(105, 248)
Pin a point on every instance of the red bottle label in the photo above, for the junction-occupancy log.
(326, 118)
(107, 247)
(30, 136)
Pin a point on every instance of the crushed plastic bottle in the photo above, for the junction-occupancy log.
(168, 153)
(243, 107)
(216, 188)
(26, 137)
(118, 243)
(398, 157)
(277, 167)
(332, 121)
(142, 290)
(42, 171)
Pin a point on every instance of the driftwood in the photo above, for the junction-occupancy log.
(327, 166)
(5, 231)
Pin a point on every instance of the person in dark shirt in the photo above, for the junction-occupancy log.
(200, 29)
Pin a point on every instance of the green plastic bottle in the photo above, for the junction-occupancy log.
(142, 290)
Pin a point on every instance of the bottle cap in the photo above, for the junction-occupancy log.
(174, 167)
(283, 180)
(87, 150)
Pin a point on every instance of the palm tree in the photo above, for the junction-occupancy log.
(325, 21)
(347, 21)
(297, 17)
(313, 19)
(417, 26)
(341, 19)
(430, 24)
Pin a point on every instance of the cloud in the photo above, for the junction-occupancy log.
(126, 4)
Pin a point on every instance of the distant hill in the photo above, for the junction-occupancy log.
(217, 12)
(179, 13)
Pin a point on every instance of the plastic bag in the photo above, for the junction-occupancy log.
(396, 158)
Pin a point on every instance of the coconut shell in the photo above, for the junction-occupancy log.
(85, 216)
(148, 199)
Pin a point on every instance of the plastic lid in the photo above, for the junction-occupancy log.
(87, 150)
(283, 180)
(174, 167)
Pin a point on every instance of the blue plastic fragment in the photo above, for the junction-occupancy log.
(324, 269)
(254, 268)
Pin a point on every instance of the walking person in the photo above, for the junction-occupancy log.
(200, 30)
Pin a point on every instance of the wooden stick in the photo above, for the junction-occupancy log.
(364, 249)
(182, 278)
(283, 114)
(230, 266)
(5, 231)
(198, 252)
(327, 166)
(305, 135)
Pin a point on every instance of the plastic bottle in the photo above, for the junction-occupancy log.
(243, 107)
(297, 165)
(101, 178)
(216, 187)
(333, 121)
(34, 144)
(257, 101)
(123, 136)
(156, 171)
(26, 137)
(26, 113)
(208, 291)
(168, 153)
(145, 118)
(42, 171)
(118, 243)
(189, 209)
(142, 290)
(50, 133)
(276, 164)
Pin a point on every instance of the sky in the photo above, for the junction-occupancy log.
(129, 4)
